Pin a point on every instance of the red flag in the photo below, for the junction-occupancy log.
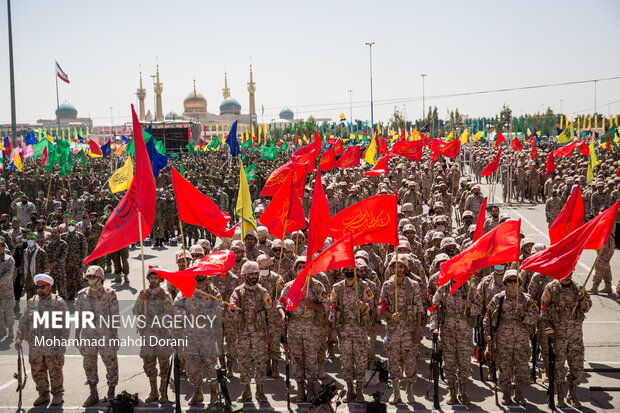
(381, 167)
(44, 157)
(618, 172)
(559, 260)
(338, 147)
(284, 214)
(426, 141)
(350, 158)
(451, 149)
(278, 176)
(212, 264)
(403, 135)
(338, 255)
(534, 151)
(122, 227)
(383, 148)
(570, 217)
(318, 231)
(480, 221)
(8, 147)
(568, 150)
(583, 147)
(493, 165)
(94, 148)
(306, 155)
(328, 160)
(498, 246)
(189, 135)
(409, 149)
(499, 139)
(516, 144)
(331, 141)
(195, 208)
(318, 141)
(373, 220)
(550, 166)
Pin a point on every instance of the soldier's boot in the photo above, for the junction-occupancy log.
(463, 397)
(111, 395)
(607, 288)
(507, 398)
(275, 373)
(350, 392)
(93, 397)
(410, 395)
(530, 380)
(594, 289)
(246, 395)
(126, 279)
(395, 399)
(57, 399)
(330, 350)
(117, 278)
(452, 389)
(163, 391)
(222, 360)
(213, 395)
(154, 395)
(182, 365)
(359, 392)
(519, 399)
(559, 391)
(10, 336)
(229, 371)
(321, 372)
(572, 396)
(301, 393)
(268, 369)
(197, 397)
(43, 398)
(260, 394)
(310, 390)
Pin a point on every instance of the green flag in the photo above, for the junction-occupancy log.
(246, 145)
(81, 159)
(39, 148)
(190, 148)
(52, 158)
(215, 143)
(268, 153)
(65, 159)
(250, 172)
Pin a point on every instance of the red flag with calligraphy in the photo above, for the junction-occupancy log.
(480, 221)
(499, 139)
(493, 165)
(381, 167)
(307, 155)
(373, 220)
(570, 217)
(550, 165)
(534, 151)
(328, 160)
(451, 149)
(284, 214)
(350, 158)
(409, 149)
(278, 176)
(318, 231)
(516, 144)
(338, 149)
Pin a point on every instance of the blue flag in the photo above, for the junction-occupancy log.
(149, 129)
(81, 139)
(158, 161)
(231, 140)
(125, 139)
(30, 139)
(106, 149)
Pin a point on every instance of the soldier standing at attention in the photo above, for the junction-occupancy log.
(76, 252)
(553, 206)
(7, 295)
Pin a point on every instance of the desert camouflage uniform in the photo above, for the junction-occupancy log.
(76, 252)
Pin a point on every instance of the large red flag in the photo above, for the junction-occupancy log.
(498, 246)
(516, 144)
(137, 208)
(409, 149)
(318, 231)
(94, 148)
(570, 217)
(568, 150)
(534, 151)
(373, 220)
(338, 255)
(195, 208)
(493, 165)
(382, 148)
(559, 260)
(278, 176)
(550, 165)
(499, 139)
(350, 158)
(328, 160)
(381, 167)
(306, 155)
(284, 214)
(426, 141)
(212, 264)
(480, 221)
(451, 149)
(338, 147)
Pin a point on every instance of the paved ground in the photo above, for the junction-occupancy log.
(602, 338)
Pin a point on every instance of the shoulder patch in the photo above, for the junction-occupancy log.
(168, 304)
(324, 294)
(368, 293)
(114, 301)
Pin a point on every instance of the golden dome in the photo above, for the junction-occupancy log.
(195, 102)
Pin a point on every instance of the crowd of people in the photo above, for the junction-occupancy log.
(49, 224)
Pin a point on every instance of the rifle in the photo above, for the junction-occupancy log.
(494, 371)
(551, 388)
(534, 355)
(435, 363)
(496, 316)
(21, 378)
(480, 345)
(177, 380)
(284, 341)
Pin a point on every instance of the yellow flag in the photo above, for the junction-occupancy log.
(371, 153)
(265, 132)
(17, 161)
(589, 122)
(603, 125)
(592, 163)
(121, 179)
(450, 137)
(579, 124)
(244, 205)
(415, 135)
(464, 138)
(478, 135)
(253, 136)
(567, 134)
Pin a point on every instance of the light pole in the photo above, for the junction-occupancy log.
(595, 97)
(350, 106)
(111, 118)
(562, 106)
(372, 122)
(12, 75)
(423, 105)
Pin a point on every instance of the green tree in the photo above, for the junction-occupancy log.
(397, 120)
(505, 115)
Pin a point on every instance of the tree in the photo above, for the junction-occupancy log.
(505, 115)
(397, 121)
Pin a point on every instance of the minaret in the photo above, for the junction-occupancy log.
(226, 90)
(252, 89)
(159, 87)
(141, 92)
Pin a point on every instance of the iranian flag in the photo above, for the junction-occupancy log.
(61, 74)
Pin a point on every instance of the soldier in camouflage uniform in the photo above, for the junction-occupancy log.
(274, 284)
(453, 318)
(34, 262)
(250, 302)
(264, 244)
(226, 286)
(46, 362)
(474, 202)
(374, 327)
(170, 216)
(510, 316)
(401, 306)
(92, 235)
(102, 302)
(76, 252)
(120, 259)
(251, 248)
(600, 199)
(566, 329)
(282, 264)
(352, 303)
(602, 269)
(553, 206)
(158, 227)
(444, 197)
(7, 295)
(238, 247)
(153, 303)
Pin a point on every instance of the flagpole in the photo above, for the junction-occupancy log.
(468, 293)
(57, 101)
(583, 287)
(183, 241)
(356, 294)
(142, 254)
(281, 254)
(49, 187)
(306, 288)
(396, 281)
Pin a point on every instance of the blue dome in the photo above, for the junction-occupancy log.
(230, 106)
(287, 114)
(66, 111)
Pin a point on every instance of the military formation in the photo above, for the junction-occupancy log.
(47, 228)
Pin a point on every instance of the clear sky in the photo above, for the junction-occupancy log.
(307, 55)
